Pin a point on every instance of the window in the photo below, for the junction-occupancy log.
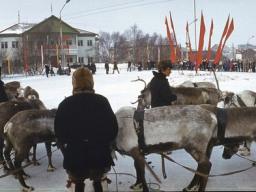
(90, 59)
(89, 42)
(4, 45)
(80, 43)
(80, 59)
(69, 42)
(15, 44)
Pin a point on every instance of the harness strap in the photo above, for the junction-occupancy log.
(240, 101)
(139, 117)
(195, 84)
(222, 122)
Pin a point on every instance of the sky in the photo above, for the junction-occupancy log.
(120, 92)
(149, 15)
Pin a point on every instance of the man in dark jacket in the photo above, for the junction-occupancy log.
(160, 89)
(3, 96)
(87, 125)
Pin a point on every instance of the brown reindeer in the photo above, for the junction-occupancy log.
(9, 109)
(24, 130)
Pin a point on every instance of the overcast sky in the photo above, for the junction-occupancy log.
(149, 15)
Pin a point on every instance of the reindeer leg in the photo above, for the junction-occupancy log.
(34, 161)
(2, 161)
(49, 154)
(139, 164)
(205, 168)
(7, 153)
(17, 162)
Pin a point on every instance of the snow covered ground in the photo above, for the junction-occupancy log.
(120, 91)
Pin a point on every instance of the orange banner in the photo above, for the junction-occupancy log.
(177, 47)
(209, 44)
(201, 43)
(173, 57)
(218, 53)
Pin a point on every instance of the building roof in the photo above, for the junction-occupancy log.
(21, 28)
(18, 28)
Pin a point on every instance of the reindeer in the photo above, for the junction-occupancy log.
(165, 129)
(244, 98)
(182, 127)
(28, 92)
(185, 96)
(24, 130)
(198, 84)
(11, 89)
(9, 109)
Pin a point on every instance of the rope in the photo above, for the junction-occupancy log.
(16, 170)
(206, 175)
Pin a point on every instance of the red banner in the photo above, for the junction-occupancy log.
(201, 43)
(218, 53)
(173, 57)
(230, 30)
(177, 47)
(209, 44)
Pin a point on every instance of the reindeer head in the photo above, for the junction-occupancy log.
(230, 150)
(227, 98)
(144, 99)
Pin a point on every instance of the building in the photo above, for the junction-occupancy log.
(39, 44)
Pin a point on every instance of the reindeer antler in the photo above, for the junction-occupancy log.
(139, 79)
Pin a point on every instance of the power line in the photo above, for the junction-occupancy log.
(117, 9)
(111, 6)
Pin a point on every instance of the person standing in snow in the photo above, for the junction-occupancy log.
(86, 124)
(107, 67)
(161, 94)
(115, 67)
(47, 70)
(129, 68)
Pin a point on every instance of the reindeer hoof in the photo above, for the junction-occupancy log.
(242, 149)
(51, 169)
(136, 186)
(26, 189)
(245, 153)
(35, 163)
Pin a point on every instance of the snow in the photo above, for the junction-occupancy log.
(120, 92)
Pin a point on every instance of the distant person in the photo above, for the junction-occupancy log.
(161, 94)
(107, 67)
(3, 96)
(86, 124)
(129, 68)
(68, 70)
(52, 72)
(47, 70)
(93, 68)
(115, 67)
(139, 66)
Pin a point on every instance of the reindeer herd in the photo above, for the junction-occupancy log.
(193, 123)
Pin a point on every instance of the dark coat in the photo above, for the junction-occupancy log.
(87, 124)
(161, 94)
(3, 96)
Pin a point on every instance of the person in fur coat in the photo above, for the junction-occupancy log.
(86, 124)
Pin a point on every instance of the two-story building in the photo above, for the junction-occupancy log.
(39, 44)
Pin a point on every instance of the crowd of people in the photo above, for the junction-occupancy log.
(225, 65)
